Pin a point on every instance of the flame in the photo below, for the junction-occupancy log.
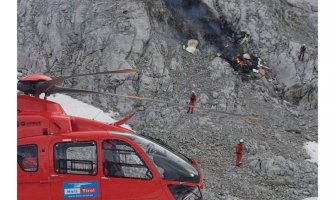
(239, 61)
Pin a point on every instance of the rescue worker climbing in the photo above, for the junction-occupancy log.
(238, 150)
(191, 103)
(302, 52)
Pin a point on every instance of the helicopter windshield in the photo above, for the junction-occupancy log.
(169, 165)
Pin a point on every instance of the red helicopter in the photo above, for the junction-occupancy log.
(66, 157)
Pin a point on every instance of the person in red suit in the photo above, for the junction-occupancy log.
(191, 104)
(302, 52)
(238, 150)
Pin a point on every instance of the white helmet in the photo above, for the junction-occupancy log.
(193, 91)
(241, 140)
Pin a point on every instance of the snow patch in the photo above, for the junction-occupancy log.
(311, 198)
(78, 108)
(311, 2)
(312, 150)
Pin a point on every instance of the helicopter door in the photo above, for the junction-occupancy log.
(125, 174)
(32, 172)
(74, 170)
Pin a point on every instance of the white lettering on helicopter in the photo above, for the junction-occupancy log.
(84, 189)
(72, 191)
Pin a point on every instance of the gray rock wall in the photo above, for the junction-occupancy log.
(278, 29)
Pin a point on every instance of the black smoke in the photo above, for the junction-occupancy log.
(193, 18)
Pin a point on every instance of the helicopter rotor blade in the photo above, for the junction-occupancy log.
(252, 116)
(57, 89)
(244, 116)
(70, 90)
(47, 85)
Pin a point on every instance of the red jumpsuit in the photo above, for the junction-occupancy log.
(302, 53)
(238, 150)
(191, 104)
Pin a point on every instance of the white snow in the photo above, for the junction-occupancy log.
(78, 108)
(299, 2)
(311, 198)
(312, 150)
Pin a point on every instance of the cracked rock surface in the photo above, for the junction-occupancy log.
(64, 37)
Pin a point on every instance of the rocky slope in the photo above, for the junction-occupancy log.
(78, 36)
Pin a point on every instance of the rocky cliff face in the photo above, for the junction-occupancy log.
(80, 36)
(278, 29)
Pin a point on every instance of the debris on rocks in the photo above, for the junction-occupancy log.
(260, 65)
(261, 71)
(248, 64)
(191, 46)
(246, 56)
(245, 39)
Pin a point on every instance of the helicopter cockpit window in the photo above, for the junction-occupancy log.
(27, 158)
(121, 160)
(169, 165)
(75, 158)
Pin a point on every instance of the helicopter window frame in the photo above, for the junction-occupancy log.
(162, 155)
(21, 159)
(148, 174)
(73, 162)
